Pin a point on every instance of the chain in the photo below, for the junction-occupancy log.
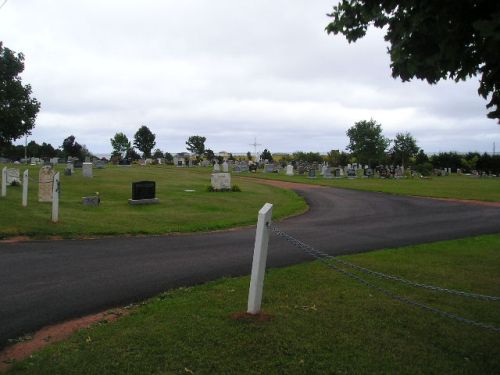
(382, 275)
(323, 259)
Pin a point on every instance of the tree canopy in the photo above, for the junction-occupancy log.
(366, 142)
(196, 145)
(404, 147)
(144, 140)
(120, 144)
(71, 147)
(432, 40)
(266, 155)
(18, 109)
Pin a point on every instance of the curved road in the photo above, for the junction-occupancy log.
(44, 282)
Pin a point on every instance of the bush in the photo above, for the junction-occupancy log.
(424, 169)
(234, 188)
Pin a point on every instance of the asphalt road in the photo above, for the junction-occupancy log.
(44, 282)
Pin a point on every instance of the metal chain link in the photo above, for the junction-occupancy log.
(322, 258)
(397, 278)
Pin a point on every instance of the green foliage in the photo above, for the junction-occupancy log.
(432, 40)
(168, 157)
(72, 148)
(309, 157)
(249, 155)
(158, 154)
(144, 140)
(404, 147)
(266, 155)
(337, 158)
(196, 145)
(421, 157)
(366, 142)
(18, 109)
(209, 154)
(120, 144)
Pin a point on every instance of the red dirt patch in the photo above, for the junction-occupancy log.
(52, 334)
(284, 184)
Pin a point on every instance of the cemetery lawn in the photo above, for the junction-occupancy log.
(454, 187)
(320, 322)
(178, 211)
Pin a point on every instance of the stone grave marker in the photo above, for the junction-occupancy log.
(13, 176)
(351, 173)
(45, 182)
(216, 167)
(225, 167)
(289, 170)
(87, 170)
(143, 192)
(311, 173)
(327, 172)
(94, 201)
(221, 181)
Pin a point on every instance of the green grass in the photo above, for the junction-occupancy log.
(323, 323)
(179, 211)
(458, 187)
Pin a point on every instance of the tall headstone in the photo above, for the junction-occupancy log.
(4, 181)
(87, 169)
(327, 172)
(216, 167)
(55, 198)
(311, 173)
(225, 167)
(289, 170)
(45, 182)
(25, 188)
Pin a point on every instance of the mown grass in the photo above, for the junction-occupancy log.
(457, 187)
(322, 323)
(179, 211)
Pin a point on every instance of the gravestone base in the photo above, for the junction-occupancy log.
(143, 201)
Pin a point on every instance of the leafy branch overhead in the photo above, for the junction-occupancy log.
(18, 109)
(432, 40)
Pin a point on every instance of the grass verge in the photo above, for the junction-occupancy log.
(455, 187)
(321, 323)
(179, 210)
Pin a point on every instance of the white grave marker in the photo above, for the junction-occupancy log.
(25, 188)
(55, 198)
(4, 181)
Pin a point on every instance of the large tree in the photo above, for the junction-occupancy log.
(144, 140)
(196, 145)
(120, 144)
(18, 109)
(71, 147)
(432, 40)
(404, 147)
(366, 142)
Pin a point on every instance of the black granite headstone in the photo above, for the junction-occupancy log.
(143, 190)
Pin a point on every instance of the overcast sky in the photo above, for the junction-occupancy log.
(228, 70)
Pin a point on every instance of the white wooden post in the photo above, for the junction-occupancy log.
(4, 181)
(55, 198)
(25, 188)
(259, 259)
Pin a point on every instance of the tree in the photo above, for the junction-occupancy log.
(404, 147)
(47, 151)
(432, 40)
(18, 109)
(249, 155)
(196, 145)
(158, 154)
(266, 155)
(168, 157)
(120, 144)
(366, 142)
(421, 157)
(209, 154)
(144, 140)
(71, 147)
